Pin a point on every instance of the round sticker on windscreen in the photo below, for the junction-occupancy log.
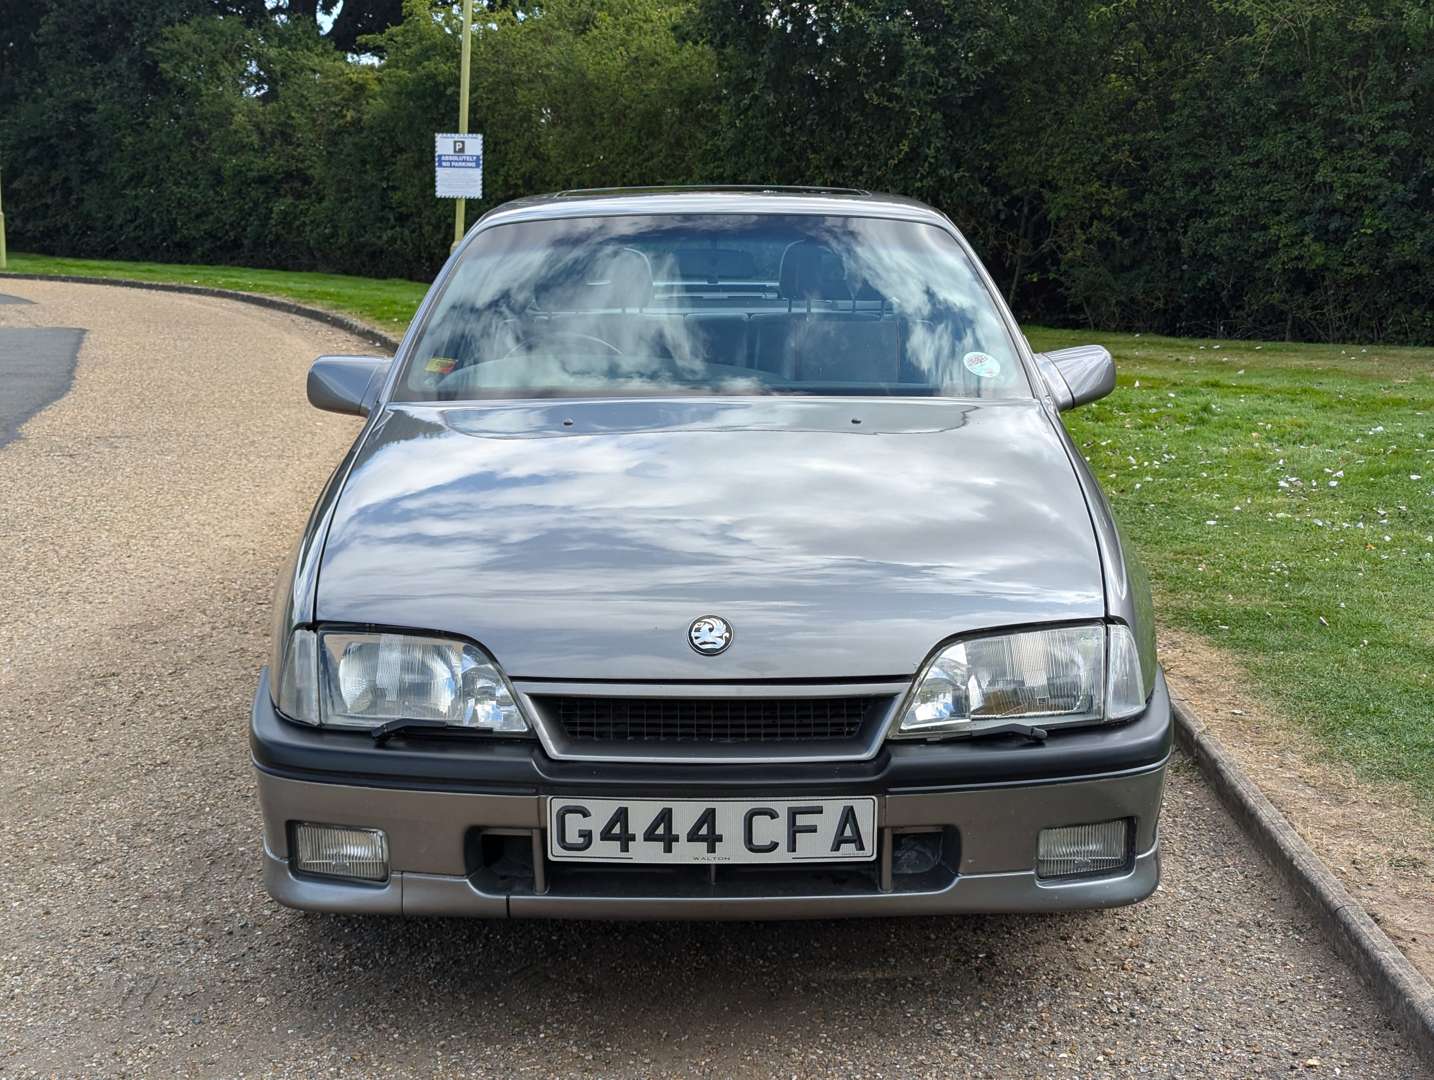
(982, 364)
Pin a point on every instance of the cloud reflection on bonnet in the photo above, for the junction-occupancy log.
(498, 521)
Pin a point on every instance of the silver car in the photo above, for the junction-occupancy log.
(712, 553)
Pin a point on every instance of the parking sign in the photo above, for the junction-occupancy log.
(458, 166)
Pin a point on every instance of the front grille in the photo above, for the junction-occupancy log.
(710, 720)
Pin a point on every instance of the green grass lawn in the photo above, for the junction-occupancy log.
(1282, 497)
(386, 303)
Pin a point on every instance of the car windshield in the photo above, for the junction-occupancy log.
(716, 304)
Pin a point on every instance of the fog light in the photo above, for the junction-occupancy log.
(340, 851)
(1083, 850)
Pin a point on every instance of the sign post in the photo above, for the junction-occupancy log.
(4, 262)
(467, 53)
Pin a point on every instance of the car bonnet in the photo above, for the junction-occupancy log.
(840, 538)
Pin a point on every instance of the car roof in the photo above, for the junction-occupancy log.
(713, 199)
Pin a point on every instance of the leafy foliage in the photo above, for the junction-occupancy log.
(1235, 167)
(1225, 166)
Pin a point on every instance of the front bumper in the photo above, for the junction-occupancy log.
(465, 824)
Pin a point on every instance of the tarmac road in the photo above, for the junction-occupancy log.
(143, 516)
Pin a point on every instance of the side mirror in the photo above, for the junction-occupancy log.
(1077, 375)
(346, 384)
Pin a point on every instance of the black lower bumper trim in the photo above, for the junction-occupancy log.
(521, 767)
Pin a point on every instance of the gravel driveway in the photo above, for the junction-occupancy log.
(143, 518)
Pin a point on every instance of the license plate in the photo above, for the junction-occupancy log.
(712, 830)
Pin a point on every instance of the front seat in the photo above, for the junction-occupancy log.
(824, 337)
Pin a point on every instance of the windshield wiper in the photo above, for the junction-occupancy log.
(393, 727)
(1029, 731)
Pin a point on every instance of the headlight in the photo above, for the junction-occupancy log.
(1063, 675)
(347, 678)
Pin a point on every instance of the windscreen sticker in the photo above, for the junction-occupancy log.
(440, 365)
(982, 364)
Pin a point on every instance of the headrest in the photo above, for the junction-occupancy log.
(715, 264)
(612, 278)
(812, 271)
(625, 280)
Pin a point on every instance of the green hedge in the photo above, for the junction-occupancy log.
(1230, 167)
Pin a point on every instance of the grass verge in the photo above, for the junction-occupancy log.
(1281, 496)
(387, 303)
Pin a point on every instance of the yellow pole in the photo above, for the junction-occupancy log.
(463, 106)
(4, 262)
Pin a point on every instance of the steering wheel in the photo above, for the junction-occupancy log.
(608, 345)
